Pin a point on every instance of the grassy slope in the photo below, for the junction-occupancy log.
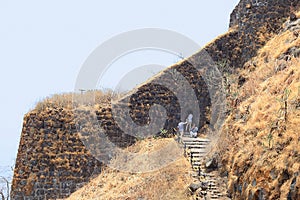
(262, 149)
(168, 183)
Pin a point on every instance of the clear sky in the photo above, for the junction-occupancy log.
(44, 43)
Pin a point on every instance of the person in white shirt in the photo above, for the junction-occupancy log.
(194, 131)
(189, 121)
(181, 129)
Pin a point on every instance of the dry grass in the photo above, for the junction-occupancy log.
(71, 100)
(167, 183)
(261, 143)
(148, 155)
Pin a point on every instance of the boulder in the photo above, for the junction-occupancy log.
(211, 163)
(194, 187)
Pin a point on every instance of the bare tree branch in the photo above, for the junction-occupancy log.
(7, 188)
(2, 195)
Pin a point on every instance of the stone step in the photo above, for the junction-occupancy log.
(197, 159)
(188, 139)
(196, 175)
(195, 141)
(196, 163)
(195, 146)
(195, 167)
(191, 149)
(211, 181)
(200, 147)
(197, 150)
(197, 155)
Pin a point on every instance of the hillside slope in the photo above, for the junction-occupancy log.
(168, 183)
(260, 142)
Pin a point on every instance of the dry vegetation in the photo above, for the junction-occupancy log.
(262, 134)
(71, 100)
(167, 183)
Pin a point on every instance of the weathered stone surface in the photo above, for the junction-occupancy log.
(52, 162)
(253, 22)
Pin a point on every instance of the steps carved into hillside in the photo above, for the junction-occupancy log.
(207, 184)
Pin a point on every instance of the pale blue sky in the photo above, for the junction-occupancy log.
(44, 43)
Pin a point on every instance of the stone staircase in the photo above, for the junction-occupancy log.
(207, 184)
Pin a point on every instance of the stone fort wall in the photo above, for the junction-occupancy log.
(52, 159)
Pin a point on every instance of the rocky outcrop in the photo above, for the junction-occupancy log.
(252, 24)
(259, 146)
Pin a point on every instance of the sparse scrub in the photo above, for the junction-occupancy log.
(270, 139)
(283, 110)
(225, 67)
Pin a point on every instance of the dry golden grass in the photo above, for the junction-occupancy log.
(148, 155)
(69, 100)
(168, 183)
(261, 143)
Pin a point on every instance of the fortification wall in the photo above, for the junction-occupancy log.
(253, 23)
(53, 161)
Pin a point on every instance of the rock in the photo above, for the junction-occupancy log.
(204, 185)
(280, 67)
(203, 193)
(241, 81)
(253, 183)
(292, 25)
(293, 17)
(212, 164)
(293, 191)
(194, 186)
(295, 51)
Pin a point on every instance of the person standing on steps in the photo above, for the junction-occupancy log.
(181, 130)
(189, 121)
(194, 131)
